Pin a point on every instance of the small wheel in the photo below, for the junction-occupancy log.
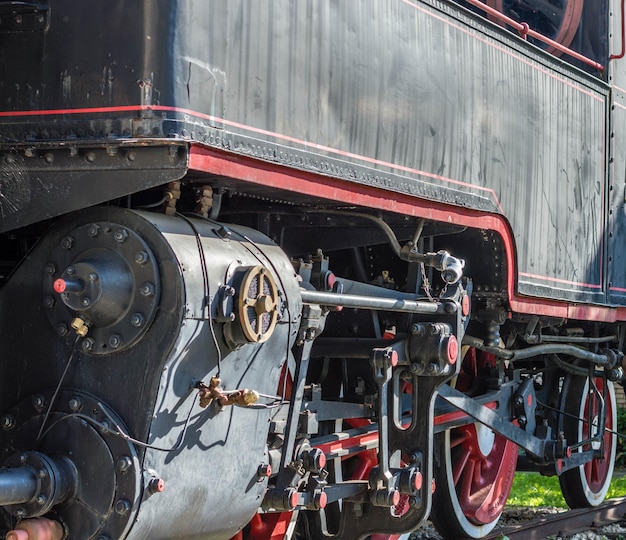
(475, 472)
(258, 304)
(587, 485)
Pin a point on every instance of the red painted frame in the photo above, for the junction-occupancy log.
(275, 176)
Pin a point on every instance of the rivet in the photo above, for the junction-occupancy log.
(86, 301)
(48, 302)
(48, 157)
(90, 157)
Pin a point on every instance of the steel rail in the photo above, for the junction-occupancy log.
(568, 522)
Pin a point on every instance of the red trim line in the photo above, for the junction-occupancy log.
(259, 131)
(305, 183)
(564, 281)
(85, 110)
(508, 52)
(618, 289)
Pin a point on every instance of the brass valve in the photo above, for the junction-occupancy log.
(80, 326)
(242, 397)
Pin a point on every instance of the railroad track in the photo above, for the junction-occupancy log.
(565, 523)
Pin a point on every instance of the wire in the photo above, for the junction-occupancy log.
(119, 432)
(207, 289)
(57, 389)
(164, 199)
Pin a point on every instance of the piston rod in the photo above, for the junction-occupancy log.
(374, 303)
(17, 485)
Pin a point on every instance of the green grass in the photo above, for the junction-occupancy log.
(532, 489)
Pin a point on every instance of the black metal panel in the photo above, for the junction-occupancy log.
(413, 97)
(617, 203)
(37, 184)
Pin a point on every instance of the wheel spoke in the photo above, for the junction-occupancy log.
(459, 467)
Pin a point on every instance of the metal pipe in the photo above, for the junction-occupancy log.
(369, 302)
(524, 30)
(577, 339)
(554, 348)
(356, 347)
(537, 350)
(17, 485)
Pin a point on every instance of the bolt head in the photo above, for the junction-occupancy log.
(39, 402)
(122, 507)
(67, 242)
(7, 422)
(141, 257)
(62, 329)
(115, 341)
(137, 319)
(86, 301)
(124, 464)
(120, 236)
(147, 289)
(87, 344)
(93, 230)
(76, 404)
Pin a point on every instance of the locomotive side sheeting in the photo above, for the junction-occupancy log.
(345, 260)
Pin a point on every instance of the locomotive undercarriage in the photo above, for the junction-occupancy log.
(333, 384)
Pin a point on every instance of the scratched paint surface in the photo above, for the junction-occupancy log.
(402, 95)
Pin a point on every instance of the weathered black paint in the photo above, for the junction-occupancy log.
(417, 98)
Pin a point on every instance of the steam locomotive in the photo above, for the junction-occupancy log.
(311, 269)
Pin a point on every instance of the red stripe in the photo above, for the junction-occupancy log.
(271, 175)
(86, 110)
(564, 281)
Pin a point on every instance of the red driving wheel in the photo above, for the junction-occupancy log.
(475, 470)
(588, 484)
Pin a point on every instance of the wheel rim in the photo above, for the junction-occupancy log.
(588, 484)
(476, 470)
(598, 470)
(482, 467)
